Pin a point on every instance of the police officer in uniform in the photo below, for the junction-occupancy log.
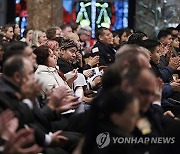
(103, 47)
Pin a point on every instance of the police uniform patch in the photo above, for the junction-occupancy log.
(94, 50)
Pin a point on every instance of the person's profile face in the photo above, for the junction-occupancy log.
(9, 33)
(144, 89)
(28, 52)
(106, 37)
(70, 54)
(17, 30)
(30, 34)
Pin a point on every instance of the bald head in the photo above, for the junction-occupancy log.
(12, 65)
(132, 55)
(18, 70)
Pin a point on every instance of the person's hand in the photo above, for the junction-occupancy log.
(57, 97)
(102, 67)
(71, 80)
(5, 118)
(174, 62)
(97, 81)
(19, 141)
(30, 89)
(175, 86)
(79, 59)
(177, 81)
(87, 99)
(88, 73)
(167, 49)
(9, 124)
(178, 68)
(158, 91)
(92, 61)
(58, 139)
(69, 102)
(87, 50)
(11, 127)
(169, 113)
(168, 54)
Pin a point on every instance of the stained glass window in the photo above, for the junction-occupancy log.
(96, 13)
(21, 14)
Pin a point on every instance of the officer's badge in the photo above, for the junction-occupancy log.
(144, 126)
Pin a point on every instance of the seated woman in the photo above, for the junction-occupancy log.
(46, 72)
(39, 37)
(53, 45)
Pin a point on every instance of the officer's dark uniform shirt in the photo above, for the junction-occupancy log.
(106, 53)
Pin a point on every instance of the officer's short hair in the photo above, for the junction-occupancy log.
(100, 31)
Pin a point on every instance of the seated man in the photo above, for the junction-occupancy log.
(18, 86)
(164, 73)
(103, 47)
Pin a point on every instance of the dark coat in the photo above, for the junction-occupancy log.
(106, 53)
(32, 117)
(66, 67)
(164, 73)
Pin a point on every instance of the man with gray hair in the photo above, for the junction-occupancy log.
(84, 36)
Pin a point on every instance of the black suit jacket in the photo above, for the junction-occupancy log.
(106, 53)
(35, 118)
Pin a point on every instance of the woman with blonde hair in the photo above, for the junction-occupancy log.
(39, 37)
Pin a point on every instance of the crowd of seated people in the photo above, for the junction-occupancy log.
(62, 92)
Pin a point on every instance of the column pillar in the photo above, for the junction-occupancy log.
(43, 14)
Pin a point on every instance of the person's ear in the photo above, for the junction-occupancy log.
(100, 37)
(162, 39)
(62, 51)
(17, 77)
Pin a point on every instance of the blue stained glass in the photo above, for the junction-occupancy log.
(18, 1)
(23, 25)
(121, 14)
(67, 4)
(125, 22)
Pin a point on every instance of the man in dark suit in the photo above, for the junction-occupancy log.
(153, 122)
(19, 71)
(103, 47)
